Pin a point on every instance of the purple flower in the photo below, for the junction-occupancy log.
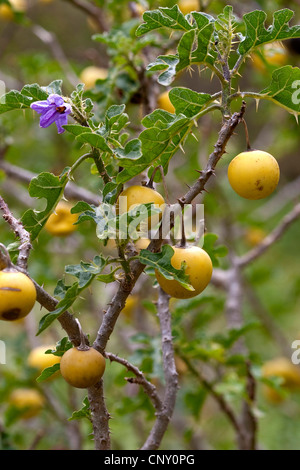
(54, 109)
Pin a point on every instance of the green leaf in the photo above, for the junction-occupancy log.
(172, 64)
(95, 140)
(115, 118)
(284, 88)
(159, 118)
(44, 186)
(15, 99)
(188, 102)
(196, 46)
(87, 135)
(131, 151)
(159, 143)
(48, 372)
(168, 64)
(162, 263)
(164, 17)
(85, 273)
(67, 301)
(81, 206)
(61, 347)
(195, 400)
(231, 336)
(257, 34)
(204, 52)
(76, 129)
(107, 278)
(54, 87)
(84, 412)
(214, 252)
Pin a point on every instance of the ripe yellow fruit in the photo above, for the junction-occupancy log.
(17, 295)
(37, 359)
(130, 306)
(281, 367)
(164, 102)
(274, 54)
(254, 174)
(134, 196)
(91, 74)
(186, 6)
(142, 244)
(82, 368)
(61, 222)
(7, 12)
(254, 236)
(198, 267)
(28, 401)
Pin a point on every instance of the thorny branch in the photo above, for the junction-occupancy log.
(139, 378)
(20, 232)
(164, 414)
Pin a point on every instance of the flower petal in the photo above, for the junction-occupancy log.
(55, 99)
(62, 120)
(40, 106)
(49, 117)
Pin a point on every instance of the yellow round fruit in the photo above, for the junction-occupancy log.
(289, 373)
(17, 295)
(186, 6)
(142, 244)
(254, 236)
(82, 368)
(274, 54)
(7, 12)
(28, 401)
(254, 174)
(37, 359)
(135, 195)
(164, 102)
(91, 74)
(61, 222)
(198, 267)
(130, 306)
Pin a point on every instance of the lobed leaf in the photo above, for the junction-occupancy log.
(257, 34)
(284, 88)
(44, 186)
(164, 17)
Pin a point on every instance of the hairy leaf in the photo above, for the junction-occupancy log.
(85, 273)
(284, 88)
(188, 102)
(164, 17)
(48, 372)
(44, 186)
(257, 34)
(15, 99)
